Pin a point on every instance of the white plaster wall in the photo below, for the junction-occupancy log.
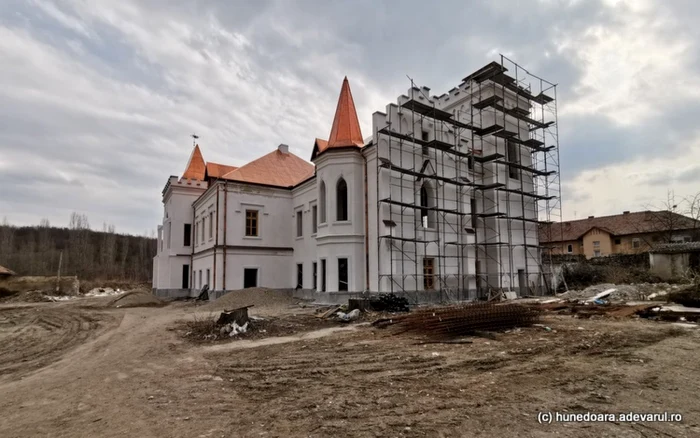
(342, 239)
(305, 249)
(178, 198)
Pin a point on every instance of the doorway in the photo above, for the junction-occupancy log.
(250, 277)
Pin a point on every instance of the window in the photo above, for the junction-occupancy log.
(596, 253)
(428, 273)
(323, 275)
(200, 279)
(618, 241)
(315, 269)
(300, 225)
(636, 243)
(300, 276)
(196, 236)
(470, 162)
(251, 223)
(203, 227)
(250, 277)
(341, 196)
(424, 135)
(513, 156)
(314, 219)
(211, 225)
(427, 217)
(169, 232)
(596, 244)
(208, 278)
(185, 276)
(322, 200)
(570, 248)
(472, 206)
(342, 275)
(187, 237)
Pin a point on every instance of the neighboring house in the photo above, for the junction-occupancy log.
(5, 273)
(441, 197)
(672, 260)
(626, 233)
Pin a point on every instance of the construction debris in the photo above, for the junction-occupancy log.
(389, 303)
(353, 315)
(460, 320)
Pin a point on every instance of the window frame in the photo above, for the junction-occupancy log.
(314, 219)
(322, 201)
(428, 278)
(255, 222)
(344, 286)
(342, 209)
(570, 248)
(300, 276)
(513, 157)
(299, 217)
(187, 235)
(211, 225)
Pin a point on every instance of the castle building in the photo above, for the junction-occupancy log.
(441, 202)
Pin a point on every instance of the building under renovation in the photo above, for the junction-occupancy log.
(443, 201)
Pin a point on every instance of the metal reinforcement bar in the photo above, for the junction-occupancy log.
(461, 320)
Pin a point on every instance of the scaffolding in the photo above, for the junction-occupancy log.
(464, 181)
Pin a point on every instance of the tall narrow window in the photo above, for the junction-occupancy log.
(300, 224)
(322, 201)
(342, 275)
(341, 191)
(208, 278)
(472, 207)
(185, 276)
(200, 279)
(323, 275)
(428, 273)
(314, 219)
(513, 156)
(211, 225)
(170, 226)
(203, 227)
(300, 276)
(427, 217)
(315, 268)
(187, 236)
(570, 248)
(251, 223)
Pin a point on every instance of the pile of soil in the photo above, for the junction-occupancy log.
(136, 299)
(260, 297)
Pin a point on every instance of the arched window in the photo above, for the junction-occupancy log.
(341, 196)
(322, 202)
(427, 199)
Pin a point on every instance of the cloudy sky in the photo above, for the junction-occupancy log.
(98, 98)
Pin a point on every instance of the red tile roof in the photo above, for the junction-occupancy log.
(195, 167)
(216, 170)
(346, 127)
(618, 225)
(281, 169)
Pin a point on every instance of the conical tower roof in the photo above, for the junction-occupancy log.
(195, 167)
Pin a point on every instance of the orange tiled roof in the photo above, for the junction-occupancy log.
(618, 225)
(216, 170)
(346, 126)
(281, 169)
(195, 167)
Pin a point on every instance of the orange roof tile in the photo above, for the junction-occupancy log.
(346, 126)
(195, 167)
(281, 169)
(216, 170)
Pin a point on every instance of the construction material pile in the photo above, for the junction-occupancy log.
(465, 319)
(389, 303)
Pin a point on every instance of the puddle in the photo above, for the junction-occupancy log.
(239, 345)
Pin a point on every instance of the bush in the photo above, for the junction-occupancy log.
(689, 296)
(389, 303)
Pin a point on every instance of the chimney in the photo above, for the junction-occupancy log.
(591, 217)
(626, 212)
(283, 148)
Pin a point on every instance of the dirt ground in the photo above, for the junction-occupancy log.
(76, 368)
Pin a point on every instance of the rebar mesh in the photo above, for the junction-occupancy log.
(466, 319)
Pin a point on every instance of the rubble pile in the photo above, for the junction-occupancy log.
(621, 292)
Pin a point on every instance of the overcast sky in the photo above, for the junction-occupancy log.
(98, 98)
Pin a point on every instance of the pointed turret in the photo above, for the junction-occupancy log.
(195, 167)
(346, 127)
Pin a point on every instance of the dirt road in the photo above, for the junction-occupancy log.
(68, 370)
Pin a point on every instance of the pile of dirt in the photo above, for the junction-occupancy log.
(260, 297)
(136, 299)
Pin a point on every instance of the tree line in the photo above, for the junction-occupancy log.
(80, 251)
